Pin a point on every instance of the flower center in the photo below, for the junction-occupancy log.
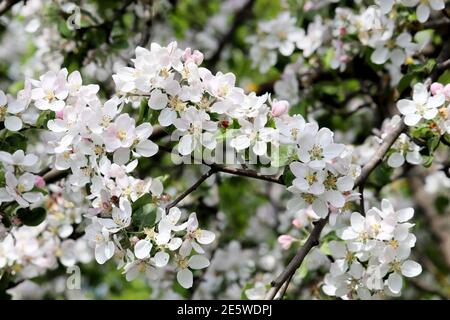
(309, 198)
(330, 181)
(121, 135)
(316, 153)
(20, 188)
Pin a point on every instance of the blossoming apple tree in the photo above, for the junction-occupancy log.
(262, 150)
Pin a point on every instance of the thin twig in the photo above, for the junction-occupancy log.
(239, 18)
(191, 189)
(6, 5)
(235, 171)
(295, 263)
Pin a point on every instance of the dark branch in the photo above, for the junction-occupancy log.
(191, 189)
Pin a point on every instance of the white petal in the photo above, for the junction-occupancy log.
(423, 12)
(396, 160)
(158, 100)
(412, 119)
(357, 221)
(320, 208)
(395, 282)
(142, 249)
(161, 259)
(411, 269)
(147, 148)
(406, 106)
(380, 55)
(198, 262)
(121, 156)
(166, 117)
(185, 278)
(405, 214)
(206, 237)
(13, 123)
(437, 4)
(186, 145)
(335, 198)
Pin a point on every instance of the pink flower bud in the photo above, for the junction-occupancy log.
(59, 114)
(134, 240)
(447, 91)
(187, 54)
(197, 56)
(285, 241)
(296, 223)
(39, 182)
(436, 88)
(279, 108)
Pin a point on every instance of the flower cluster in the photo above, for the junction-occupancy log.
(21, 186)
(374, 256)
(281, 34)
(324, 174)
(427, 105)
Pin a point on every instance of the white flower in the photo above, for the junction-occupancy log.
(314, 37)
(196, 129)
(290, 129)
(316, 147)
(195, 236)
(18, 159)
(50, 91)
(120, 134)
(408, 269)
(404, 148)
(397, 54)
(166, 225)
(19, 190)
(121, 217)
(98, 235)
(424, 7)
(423, 106)
(253, 134)
(184, 275)
(7, 251)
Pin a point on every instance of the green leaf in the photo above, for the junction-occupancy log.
(445, 78)
(427, 161)
(143, 200)
(144, 211)
(280, 156)
(146, 216)
(405, 82)
(288, 177)
(143, 111)
(31, 217)
(433, 143)
(43, 118)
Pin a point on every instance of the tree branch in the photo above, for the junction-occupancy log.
(240, 17)
(314, 237)
(295, 263)
(6, 5)
(191, 189)
(235, 171)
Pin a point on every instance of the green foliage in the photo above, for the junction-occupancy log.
(12, 141)
(144, 212)
(239, 201)
(32, 217)
(415, 73)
